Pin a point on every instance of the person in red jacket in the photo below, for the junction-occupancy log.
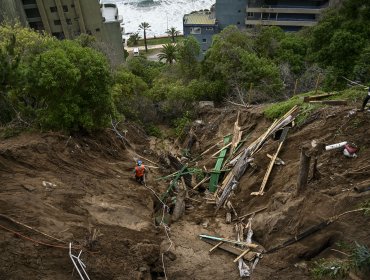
(140, 172)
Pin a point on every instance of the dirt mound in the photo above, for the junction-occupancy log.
(66, 186)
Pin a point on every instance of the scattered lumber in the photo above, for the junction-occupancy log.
(219, 239)
(243, 160)
(330, 102)
(249, 256)
(307, 99)
(272, 163)
(201, 182)
(251, 213)
(215, 145)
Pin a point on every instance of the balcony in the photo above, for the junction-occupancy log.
(285, 10)
(280, 22)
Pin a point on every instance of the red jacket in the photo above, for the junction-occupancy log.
(139, 170)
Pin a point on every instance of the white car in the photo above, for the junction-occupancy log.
(136, 52)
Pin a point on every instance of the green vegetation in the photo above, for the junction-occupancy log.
(357, 260)
(70, 86)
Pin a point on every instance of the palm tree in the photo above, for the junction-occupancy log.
(173, 32)
(168, 53)
(145, 26)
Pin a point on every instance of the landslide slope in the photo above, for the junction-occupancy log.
(69, 187)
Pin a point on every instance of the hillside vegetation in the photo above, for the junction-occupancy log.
(69, 85)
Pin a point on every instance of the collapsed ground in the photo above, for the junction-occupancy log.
(71, 187)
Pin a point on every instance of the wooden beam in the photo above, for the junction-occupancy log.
(317, 97)
(241, 255)
(233, 250)
(215, 247)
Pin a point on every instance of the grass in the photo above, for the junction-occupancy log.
(357, 260)
(278, 109)
(159, 41)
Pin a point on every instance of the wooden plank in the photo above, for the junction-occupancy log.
(215, 247)
(241, 255)
(251, 213)
(215, 145)
(307, 99)
(249, 256)
(201, 182)
(215, 174)
(271, 165)
(219, 239)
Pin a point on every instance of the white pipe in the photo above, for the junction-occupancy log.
(335, 146)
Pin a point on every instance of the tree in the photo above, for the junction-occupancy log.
(168, 53)
(173, 32)
(144, 26)
(188, 53)
(133, 40)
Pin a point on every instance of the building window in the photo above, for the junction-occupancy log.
(72, 5)
(238, 22)
(58, 35)
(250, 14)
(32, 13)
(97, 29)
(239, 11)
(37, 25)
(28, 2)
(57, 22)
(204, 40)
(195, 30)
(209, 28)
(69, 21)
(53, 9)
(65, 8)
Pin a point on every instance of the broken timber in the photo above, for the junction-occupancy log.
(249, 256)
(220, 239)
(317, 97)
(272, 162)
(215, 174)
(242, 161)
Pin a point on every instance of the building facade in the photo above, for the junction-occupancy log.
(230, 12)
(202, 25)
(290, 15)
(67, 19)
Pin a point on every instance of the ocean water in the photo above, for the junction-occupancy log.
(160, 14)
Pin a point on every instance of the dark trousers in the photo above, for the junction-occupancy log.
(367, 98)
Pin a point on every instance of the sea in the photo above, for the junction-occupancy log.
(160, 14)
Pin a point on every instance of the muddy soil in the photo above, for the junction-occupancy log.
(71, 187)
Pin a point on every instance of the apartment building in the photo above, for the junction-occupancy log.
(67, 19)
(290, 15)
(202, 25)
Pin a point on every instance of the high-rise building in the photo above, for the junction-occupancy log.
(67, 19)
(290, 15)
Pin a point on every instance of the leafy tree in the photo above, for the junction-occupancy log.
(362, 67)
(293, 50)
(188, 53)
(144, 26)
(267, 41)
(128, 93)
(133, 40)
(173, 32)
(147, 70)
(70, 88)
(168, 53)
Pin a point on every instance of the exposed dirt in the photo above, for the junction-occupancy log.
(64, 186)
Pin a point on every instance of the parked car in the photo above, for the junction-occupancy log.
(136, 52)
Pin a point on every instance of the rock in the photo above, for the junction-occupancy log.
(28, 187)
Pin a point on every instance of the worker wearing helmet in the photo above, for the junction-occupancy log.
(140, 172)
